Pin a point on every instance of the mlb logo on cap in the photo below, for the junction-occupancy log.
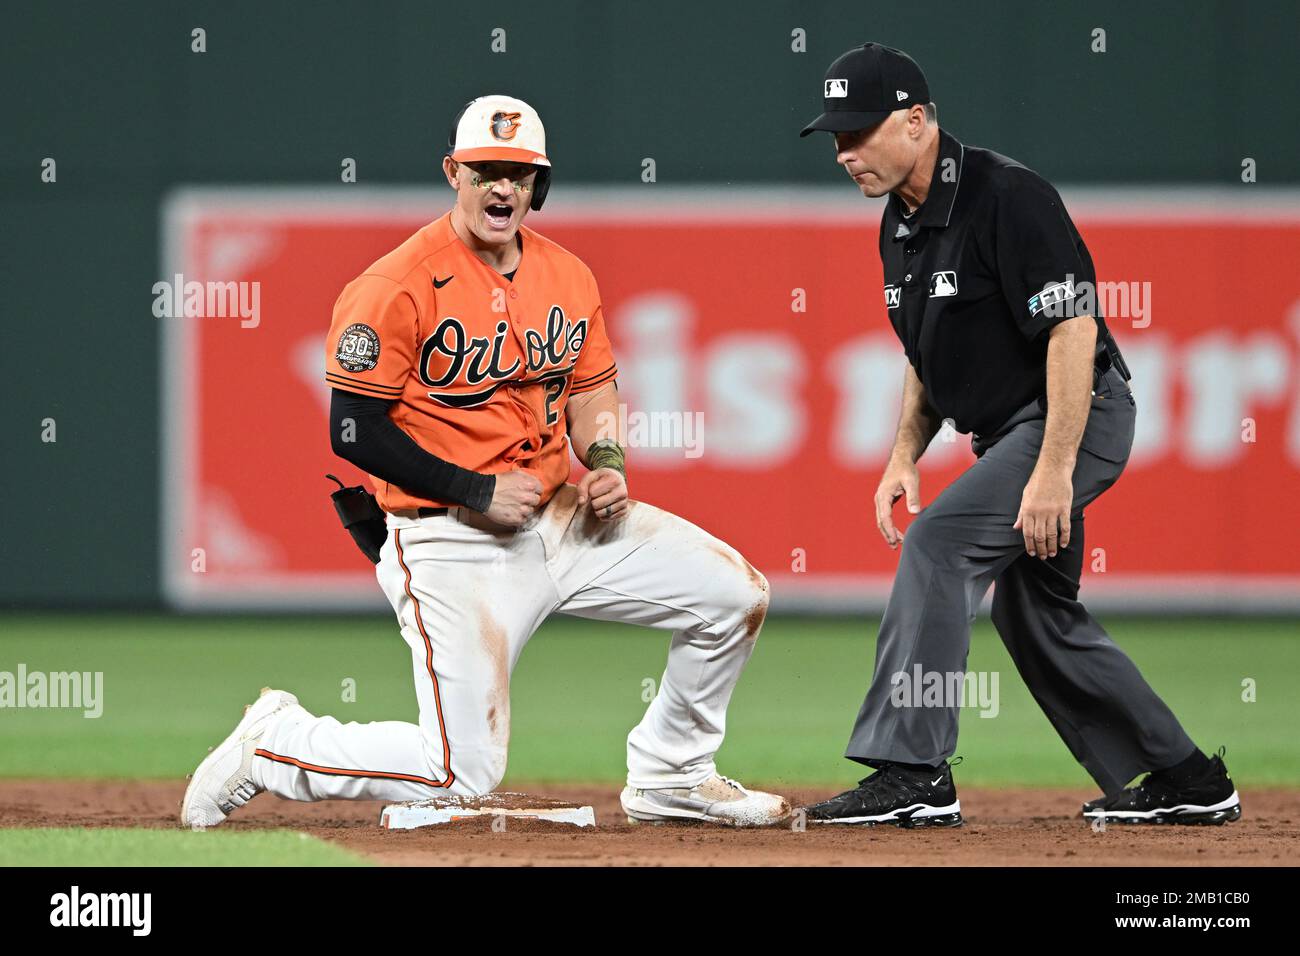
(499, 128)
(836, 89)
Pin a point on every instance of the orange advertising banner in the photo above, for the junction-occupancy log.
(760, 380)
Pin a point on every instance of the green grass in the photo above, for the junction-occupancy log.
(75, 846)
(174, 686)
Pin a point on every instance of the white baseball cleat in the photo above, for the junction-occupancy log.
(224, 781)
(717, 800)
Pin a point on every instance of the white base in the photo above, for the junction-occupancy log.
(409, 816)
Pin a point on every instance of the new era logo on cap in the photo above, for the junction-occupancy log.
(901, 94)
(836, 89)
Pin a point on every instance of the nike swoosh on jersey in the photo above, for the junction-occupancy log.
(439, 284)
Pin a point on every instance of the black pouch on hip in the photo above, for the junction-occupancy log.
(362, 517)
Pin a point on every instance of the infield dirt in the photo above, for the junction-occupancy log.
(1017, 827)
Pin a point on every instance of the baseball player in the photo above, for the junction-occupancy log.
(464, 365)
(991, 291)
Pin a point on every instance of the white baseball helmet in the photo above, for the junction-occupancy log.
(502, 128)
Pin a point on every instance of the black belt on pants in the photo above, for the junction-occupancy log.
(432, 512)
(1108, 357)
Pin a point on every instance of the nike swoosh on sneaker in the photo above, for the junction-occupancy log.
(935, 783)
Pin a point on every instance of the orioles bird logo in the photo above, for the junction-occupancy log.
(505, 125)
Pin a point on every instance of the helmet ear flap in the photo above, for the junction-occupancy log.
(541, 186)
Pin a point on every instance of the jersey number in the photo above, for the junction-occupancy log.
(554, 389)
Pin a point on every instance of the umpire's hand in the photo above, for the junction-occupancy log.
(1044, 517)
(901, 479)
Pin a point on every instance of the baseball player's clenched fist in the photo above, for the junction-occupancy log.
(606, 489)
(515, 498)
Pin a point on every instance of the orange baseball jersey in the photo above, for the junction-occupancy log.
(479, 367)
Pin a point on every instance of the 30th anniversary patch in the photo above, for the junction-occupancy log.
(358, 349)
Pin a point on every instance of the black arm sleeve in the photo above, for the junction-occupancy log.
(380, 448)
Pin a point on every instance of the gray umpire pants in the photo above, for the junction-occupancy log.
(962, 542)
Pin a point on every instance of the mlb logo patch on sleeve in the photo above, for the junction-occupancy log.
(943, 283)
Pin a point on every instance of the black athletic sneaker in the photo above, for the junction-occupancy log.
(1209, 800)
(894, 796)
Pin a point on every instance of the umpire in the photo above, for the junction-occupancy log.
(991, 290)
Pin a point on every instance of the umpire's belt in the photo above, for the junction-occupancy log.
(1108, 356)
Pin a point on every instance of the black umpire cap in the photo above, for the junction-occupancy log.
(865, 85)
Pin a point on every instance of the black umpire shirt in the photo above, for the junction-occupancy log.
(976, 277)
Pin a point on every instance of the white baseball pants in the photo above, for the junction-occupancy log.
(469, 595)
